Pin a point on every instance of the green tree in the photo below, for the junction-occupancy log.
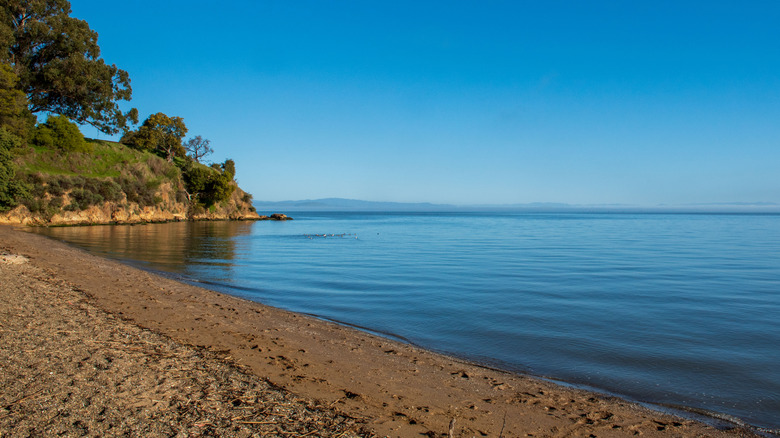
(159, 133)
(207, 185)
(14, 115)
(59, 132)
(218, 189)
(196, 176)
(57, 60)
(11, 190)
(229, 168)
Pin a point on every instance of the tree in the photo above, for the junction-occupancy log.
(229, 168)
(11, 190)
(207, 185)
(59, 132)
(159, 133)
(218, 189)
(198, 147)
(57, 60)
(14, 115)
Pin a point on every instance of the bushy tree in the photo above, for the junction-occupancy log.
(14, 115)
(159, 133)
(57, 60)
(229, 168)
(59, 132)
(198, 147)
(11, 190)
(196, 177)
(218, 189)
(207, 185)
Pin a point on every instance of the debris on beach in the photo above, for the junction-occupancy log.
(71, 369)
(12, 259)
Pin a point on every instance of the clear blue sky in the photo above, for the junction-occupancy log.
(582, 102)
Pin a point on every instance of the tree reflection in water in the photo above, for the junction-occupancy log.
(171, 247)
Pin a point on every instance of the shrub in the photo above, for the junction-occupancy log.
(171, 172)
(196, 177)
(139, 191)
(85, 198)
(37, 191)
(56, 202)
(65, 183)
(229, 168)
(77, 181)
(35, 205)
(11, 189)
(55, 187)
(157, 165)
(60, 133)
(110, 191)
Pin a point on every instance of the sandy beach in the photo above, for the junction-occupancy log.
(92, 347)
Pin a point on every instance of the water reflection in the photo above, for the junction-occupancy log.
(171, 247)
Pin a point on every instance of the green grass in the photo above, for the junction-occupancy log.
(109, 172)
(107, 160)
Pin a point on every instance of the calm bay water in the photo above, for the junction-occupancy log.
(681, 310)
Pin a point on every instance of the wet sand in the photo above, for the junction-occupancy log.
(64, 311)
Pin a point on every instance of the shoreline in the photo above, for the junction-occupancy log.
(33, 222)
(400, 389)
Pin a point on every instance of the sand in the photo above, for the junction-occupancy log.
(92, 347)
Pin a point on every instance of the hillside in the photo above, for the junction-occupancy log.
(109, 182)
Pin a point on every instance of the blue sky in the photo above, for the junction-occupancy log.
(639, 103)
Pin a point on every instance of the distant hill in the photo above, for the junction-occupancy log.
(341, 204)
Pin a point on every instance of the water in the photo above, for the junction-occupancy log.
(681, 310)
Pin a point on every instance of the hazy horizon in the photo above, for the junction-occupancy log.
(343, 204)
(505, 102)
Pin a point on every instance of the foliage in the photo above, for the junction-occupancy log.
(161, 134)
(11, 190)
(198, 147)
(14, 115)
(229, 168)
(218, 189)
(83, 199)
(79, 180)
(112, 172)
(60, 133)
(46, 195)
(142, 192)
(196, 176)
(58, 62)
(207, 186)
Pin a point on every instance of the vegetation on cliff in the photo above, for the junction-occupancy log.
(49, 173)
(106, 181)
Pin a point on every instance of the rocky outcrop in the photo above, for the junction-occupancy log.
(277, 217)
(168, 209)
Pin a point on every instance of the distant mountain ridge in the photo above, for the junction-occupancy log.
(342, 204)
